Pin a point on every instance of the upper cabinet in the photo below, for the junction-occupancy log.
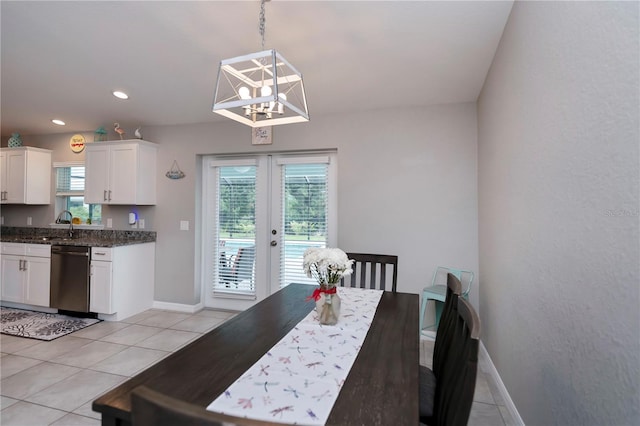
(120, 172)
(25, 175)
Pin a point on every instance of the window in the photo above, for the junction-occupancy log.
(70, 194)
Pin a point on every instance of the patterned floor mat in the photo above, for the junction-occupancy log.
(40, 325)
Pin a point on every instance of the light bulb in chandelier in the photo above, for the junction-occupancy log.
(281, 97)
(244, 93)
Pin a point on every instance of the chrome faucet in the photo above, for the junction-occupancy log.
(59, 220)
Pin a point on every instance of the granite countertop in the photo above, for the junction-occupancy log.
(81, 237)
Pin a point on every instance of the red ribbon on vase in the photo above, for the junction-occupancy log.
(316, 293)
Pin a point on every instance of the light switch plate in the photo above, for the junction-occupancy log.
(184, 225)
(109, 223)
(141, 223)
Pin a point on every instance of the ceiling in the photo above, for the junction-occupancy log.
(63, 59)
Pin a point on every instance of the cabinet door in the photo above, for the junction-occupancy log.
(96, 184)
(123, 172)
(38, 275)
(16, 177)
(12, 278)
(101, 289)
(3, 173)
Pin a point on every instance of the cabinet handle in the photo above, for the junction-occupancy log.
(20, 265)
(91, 270)
(100, 253)
(104, 195)
(109, 195)
(25, 265)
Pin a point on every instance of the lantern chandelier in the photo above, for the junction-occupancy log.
(260, 89)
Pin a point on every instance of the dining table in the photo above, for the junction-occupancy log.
(380, 389)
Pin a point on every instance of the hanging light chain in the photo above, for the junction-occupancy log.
(262, 25)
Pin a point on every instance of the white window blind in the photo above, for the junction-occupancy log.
(305, 215)
(70, 181)
(235, 238)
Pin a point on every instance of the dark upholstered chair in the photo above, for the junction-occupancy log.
(370, 271)
(446, 393)
(151, 408)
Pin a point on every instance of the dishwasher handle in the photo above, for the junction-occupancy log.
(72, 253)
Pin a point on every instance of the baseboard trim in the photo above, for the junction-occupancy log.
(178, 307)
(501, 387)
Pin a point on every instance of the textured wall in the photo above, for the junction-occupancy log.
(559, 212)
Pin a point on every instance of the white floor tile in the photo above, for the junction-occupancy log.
(12, 364)
(89, 354)
(130, 361)
(168, 340)
(34, 379)
(75, 391)
(24, 414)
(131, 335)
(76, 420)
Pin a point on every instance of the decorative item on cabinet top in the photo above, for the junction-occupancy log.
(15, 141)
(100, 135)
(175, 172)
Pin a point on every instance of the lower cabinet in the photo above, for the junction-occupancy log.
(101, 281)
(26, 271)
(122, 280)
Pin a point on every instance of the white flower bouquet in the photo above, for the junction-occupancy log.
(326, 265)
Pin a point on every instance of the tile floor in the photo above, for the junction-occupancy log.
(54, 383)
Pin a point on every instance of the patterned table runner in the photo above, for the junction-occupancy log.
(299, 379)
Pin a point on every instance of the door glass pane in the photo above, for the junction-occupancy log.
(304, 213)
(236, 230)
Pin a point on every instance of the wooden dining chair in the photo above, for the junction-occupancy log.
(152, 408)
(456, 380)
(441, 347)
(371, 271)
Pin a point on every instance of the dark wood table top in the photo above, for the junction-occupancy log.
(381, 388)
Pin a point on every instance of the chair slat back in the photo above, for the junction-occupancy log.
(446, 327)
(370, 271)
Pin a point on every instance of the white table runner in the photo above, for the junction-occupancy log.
(298, 380)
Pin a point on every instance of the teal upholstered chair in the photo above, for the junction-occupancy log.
(438, 289)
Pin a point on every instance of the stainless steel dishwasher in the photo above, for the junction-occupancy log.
(70, 278)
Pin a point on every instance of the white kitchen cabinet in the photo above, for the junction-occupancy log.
(25, 175)
(120, 172)
(101, 281)
(122, 280)
(26, 272)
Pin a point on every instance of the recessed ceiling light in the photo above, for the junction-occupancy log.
(58, 122)
(120, 95)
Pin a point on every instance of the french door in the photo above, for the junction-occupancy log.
(260, 214)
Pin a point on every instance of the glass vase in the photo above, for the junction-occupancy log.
(328, 308)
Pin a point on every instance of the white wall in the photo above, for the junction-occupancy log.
(407, 186)
(559, 212)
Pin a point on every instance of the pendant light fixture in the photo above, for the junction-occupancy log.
(260, 89)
